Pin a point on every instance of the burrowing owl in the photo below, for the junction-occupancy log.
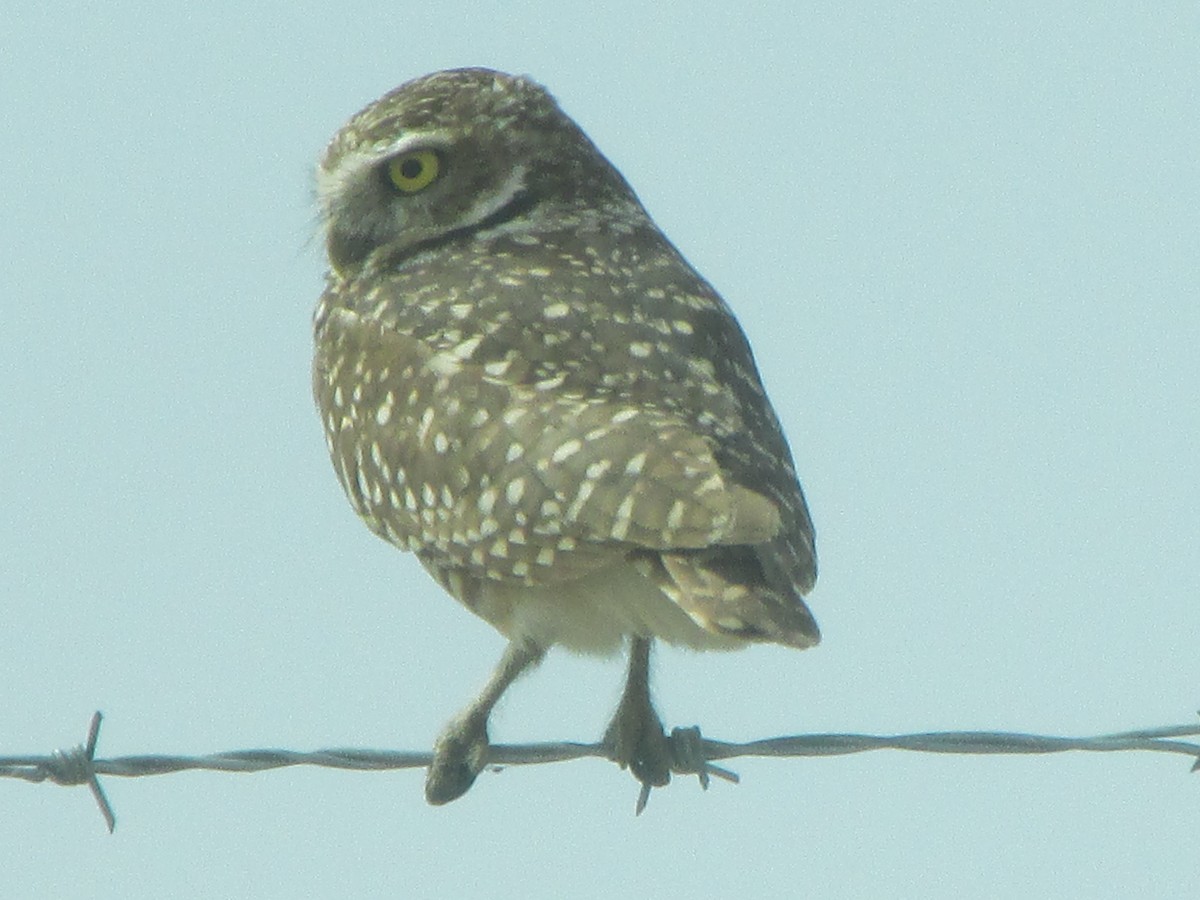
(524, 383)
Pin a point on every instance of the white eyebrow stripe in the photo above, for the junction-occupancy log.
(436, 140)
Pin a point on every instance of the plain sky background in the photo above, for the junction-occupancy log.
(964, 240)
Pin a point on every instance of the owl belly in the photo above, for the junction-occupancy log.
(594, 614)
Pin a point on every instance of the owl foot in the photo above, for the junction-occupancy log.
(458, 757)
(461, 751)
(635, 737)
(636, 741)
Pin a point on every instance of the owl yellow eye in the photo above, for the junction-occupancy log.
(412, 172)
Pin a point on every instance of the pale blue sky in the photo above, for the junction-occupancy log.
(964, 244)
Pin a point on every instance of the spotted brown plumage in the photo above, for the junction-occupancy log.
(522, 382)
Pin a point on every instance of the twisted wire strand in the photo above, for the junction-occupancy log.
(692, 753)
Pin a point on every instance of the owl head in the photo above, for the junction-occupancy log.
(453, 153)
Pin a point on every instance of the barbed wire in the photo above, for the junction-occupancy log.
(692, 754)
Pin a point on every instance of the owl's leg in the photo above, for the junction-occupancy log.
(635, 737)
(461, 750)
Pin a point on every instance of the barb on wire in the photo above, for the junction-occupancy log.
(77, 765)
(693, 754)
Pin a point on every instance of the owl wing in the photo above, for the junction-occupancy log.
(751, 588)
(474, 448)
(756, 455)
(501, 480)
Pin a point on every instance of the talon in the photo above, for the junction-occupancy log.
(636, 741)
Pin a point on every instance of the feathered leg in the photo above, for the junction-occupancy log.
(462, 749)
(635, 737)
